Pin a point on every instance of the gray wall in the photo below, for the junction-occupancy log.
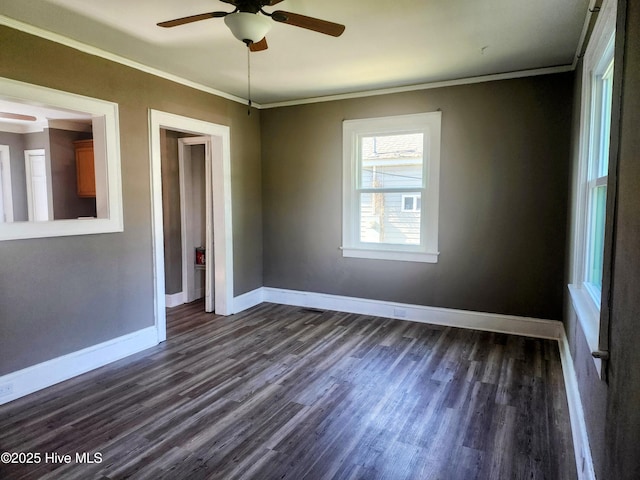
(503, 199)
(63, 294)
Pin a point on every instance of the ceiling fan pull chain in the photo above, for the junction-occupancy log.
(249, 78)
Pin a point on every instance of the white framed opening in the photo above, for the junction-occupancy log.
(6, 191)
(59, 110)
(218, 175)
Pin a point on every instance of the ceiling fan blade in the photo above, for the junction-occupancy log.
(259, 46)
(192, 18)
(310, 23)
(17, 116)
(264, 3)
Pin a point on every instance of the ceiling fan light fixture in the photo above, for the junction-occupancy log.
(247, 27)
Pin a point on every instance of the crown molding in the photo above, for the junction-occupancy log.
(61, 39)
(91, 50)
(426, 86)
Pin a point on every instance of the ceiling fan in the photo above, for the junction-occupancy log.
(248, 26)
(17, 116)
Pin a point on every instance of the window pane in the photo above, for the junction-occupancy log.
(390, 161)
(411, 203)
(599, 201)
(382, 219)
(602, 167)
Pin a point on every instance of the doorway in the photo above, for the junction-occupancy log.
(194, 153)
(218, 195)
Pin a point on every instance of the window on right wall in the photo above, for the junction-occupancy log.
(591, 191)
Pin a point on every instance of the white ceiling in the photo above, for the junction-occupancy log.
(387, 43)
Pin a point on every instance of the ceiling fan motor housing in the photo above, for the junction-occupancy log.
(247, 27)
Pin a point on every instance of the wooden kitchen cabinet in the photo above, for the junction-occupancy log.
(85, 168)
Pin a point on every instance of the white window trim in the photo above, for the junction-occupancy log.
(415, 208)
(5, 167)
(598, 55)
(430, 125)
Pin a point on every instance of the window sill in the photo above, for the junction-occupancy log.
(425, 257)
(589, 319)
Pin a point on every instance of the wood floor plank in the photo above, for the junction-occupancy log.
(281, 392)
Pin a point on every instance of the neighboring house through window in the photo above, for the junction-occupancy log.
(391, 184)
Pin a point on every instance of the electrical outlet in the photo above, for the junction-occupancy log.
(399, 313)
(6, 389)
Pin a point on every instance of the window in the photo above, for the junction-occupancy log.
(597, 174)
(391, 182)
(591, 191)
(410, 203)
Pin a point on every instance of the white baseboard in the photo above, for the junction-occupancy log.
(198, 293)
(248, 300)
(43, 375)
(492, 322)
(582, 450)
(175, 299)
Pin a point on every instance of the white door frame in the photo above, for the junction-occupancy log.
(5, 186)
(220, 173)
(31, 195)
(186, 179)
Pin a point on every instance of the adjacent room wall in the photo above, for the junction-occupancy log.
(503, 199)
(63, 294)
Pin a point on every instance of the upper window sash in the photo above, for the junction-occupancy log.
(600, 118)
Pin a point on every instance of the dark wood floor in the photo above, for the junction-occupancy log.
(281, 392)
